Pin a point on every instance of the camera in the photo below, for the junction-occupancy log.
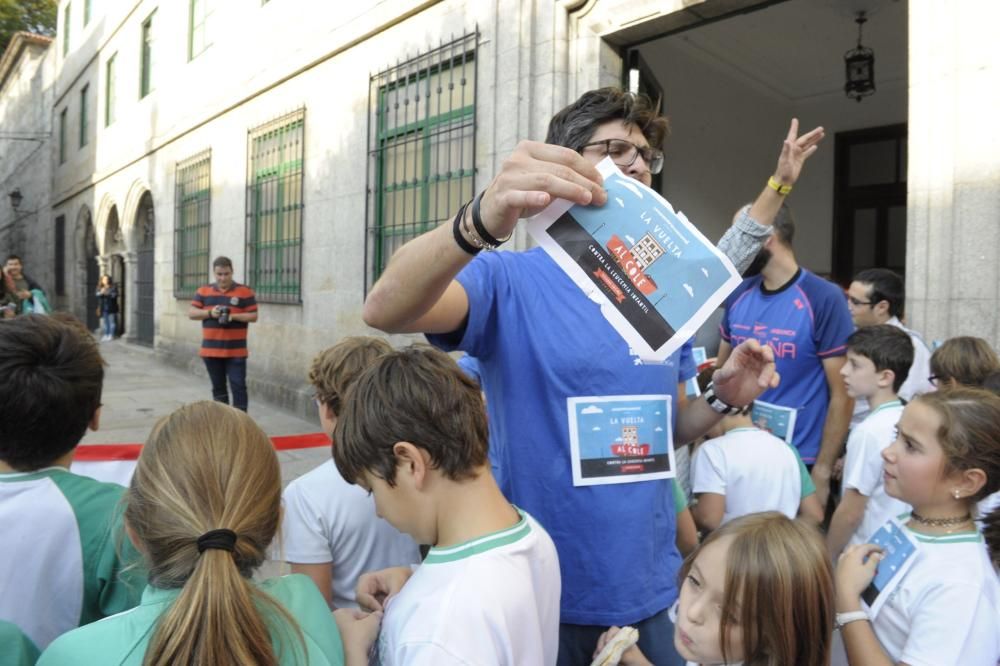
(224, 317)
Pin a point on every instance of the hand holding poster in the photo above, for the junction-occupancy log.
(898, 551)
(656, 276)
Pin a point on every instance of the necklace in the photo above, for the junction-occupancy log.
(940, 522)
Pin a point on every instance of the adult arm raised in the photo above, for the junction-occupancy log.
(752, 225)
(418, 293)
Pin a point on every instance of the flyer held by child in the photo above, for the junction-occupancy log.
(656, 276)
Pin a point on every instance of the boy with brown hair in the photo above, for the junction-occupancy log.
(330, 531)
(413, 432)
(63, 560)
(878, 361)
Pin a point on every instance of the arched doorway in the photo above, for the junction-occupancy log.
(90, 268)
(114, 249)
(145, 280)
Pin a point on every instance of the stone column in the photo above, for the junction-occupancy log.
(953, 201)
(131, 295)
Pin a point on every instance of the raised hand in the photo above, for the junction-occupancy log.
(748, 372)
(795, 151)
(534, 175)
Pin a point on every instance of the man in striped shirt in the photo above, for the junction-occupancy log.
(225, 310)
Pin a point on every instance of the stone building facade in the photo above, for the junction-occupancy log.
(308, 140)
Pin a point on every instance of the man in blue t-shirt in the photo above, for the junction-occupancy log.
(805, 321)
(541, 342)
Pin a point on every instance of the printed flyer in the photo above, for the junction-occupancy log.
(775, 419)
(898, 550)
(700, 356)
(656, 276)
(620, 439)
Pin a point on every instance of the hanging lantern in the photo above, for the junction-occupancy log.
(860, 63)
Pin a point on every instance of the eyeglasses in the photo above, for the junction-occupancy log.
(624, 153)
(856, 303)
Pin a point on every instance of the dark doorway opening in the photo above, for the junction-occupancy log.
(118, 277)
(145, 279)
(92, 272)
(869, 209)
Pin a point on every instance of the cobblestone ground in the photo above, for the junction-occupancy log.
(139, 389)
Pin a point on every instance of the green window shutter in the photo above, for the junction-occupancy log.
(192, 223)
(275, 208)
(423, 147)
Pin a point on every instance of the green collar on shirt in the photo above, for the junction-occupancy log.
(158, 595)
(481, 544)
(887, 405)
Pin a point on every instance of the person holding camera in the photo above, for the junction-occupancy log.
(225, 309)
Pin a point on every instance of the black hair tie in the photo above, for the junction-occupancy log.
(219, 539)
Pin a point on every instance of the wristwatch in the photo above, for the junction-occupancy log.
(717, 404)
(843, 619)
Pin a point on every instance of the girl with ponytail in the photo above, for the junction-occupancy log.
(203, 507)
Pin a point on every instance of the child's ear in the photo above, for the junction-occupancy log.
(413, 461)
(886, 378)
(968, 482)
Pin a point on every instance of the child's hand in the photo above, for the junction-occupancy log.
(630, 657)
(855, 571)
(375, 587)
(358, 632)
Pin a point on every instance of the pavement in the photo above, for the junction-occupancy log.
(139, 389)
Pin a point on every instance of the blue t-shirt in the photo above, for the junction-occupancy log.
(539, 340)
(803, 322)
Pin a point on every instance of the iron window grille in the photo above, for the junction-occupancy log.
(192, 223)
(276, 154)
(422, 136)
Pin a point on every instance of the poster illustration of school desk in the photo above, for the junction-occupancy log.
(620, 439)
(656, 276)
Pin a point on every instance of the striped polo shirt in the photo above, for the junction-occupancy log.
(225, 340)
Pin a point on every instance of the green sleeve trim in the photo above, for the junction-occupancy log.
(680, 499)
(808, 487)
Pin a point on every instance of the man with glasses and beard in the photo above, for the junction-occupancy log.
(805, 320)
(539, 341)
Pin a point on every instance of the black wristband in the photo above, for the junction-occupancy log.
(477, 222)
(456, 229)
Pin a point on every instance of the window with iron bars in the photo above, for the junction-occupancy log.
(275, 206)
(422, 136)
(192, 223)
